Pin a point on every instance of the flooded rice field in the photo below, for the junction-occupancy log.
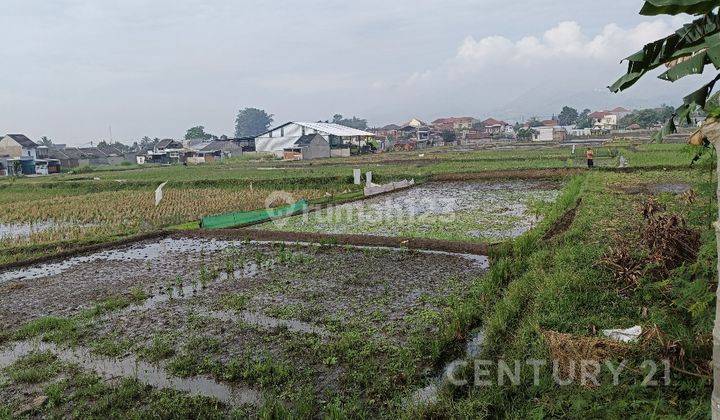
(25, 230)
(487, 211)
(233, 320)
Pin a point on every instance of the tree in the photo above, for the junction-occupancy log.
(686, 52)
(525, 133)
(45, 141)
(252, 121)
(647, 118)
(583, 120)
(197, 132)
(568, 116)
(535, 122)
(354, 122)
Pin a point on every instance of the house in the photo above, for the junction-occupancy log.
(66, 157)
(247, 144)
(493, 126)
(17, 145)
(47, 166)
(340, 138)
(416, 130)
(608, 120)
(548, 133)
(474, 138)
(309, 146)
(620, 112)
(453, 124)
(387, 132)
(225, 148)
(95, 157)
(168, 144)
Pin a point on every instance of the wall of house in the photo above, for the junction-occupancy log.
(340, 152)
(10, 147)
(318, 148)
(544, 134)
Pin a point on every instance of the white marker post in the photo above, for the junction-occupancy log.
(159, 194)
(368, 178)
(357, 176)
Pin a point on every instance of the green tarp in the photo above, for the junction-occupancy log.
(240, 218)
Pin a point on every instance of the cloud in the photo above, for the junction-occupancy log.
(534, 74)
(565, 40)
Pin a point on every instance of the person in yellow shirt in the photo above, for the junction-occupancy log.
(590, 155)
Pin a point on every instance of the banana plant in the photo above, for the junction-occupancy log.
(689, 50)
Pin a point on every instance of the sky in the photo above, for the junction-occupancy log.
(87, 70)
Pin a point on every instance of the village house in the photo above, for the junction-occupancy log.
(309, 146)
(456, 124)
(68, 157)
(339, 137)
(549, 133)
(17, 145)
(492, 126)
(608, 120)
(416, 131)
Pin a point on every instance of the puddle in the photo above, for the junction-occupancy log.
(439, 210)
(131, 367)
(23, 230)
(264, 321)
(187, 291)
(155, 250)
(429, 394)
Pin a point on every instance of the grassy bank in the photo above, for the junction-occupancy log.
(602, 274)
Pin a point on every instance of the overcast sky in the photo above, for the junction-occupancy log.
(73, 68)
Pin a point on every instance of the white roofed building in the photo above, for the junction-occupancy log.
(285, 136)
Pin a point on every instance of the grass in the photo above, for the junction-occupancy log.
(109, 204)
(535, 285)
(559, 287)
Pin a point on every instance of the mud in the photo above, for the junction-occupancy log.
(238, 298)
(470, 211)
(563, 223)
(556, 173)
(131, 367)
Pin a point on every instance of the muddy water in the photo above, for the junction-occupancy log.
(442, 210)
(155, 250)
(23, 230)
(429, 394)
(130, 367)
(257, 319)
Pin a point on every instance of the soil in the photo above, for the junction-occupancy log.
(562, 224)
(248, 299)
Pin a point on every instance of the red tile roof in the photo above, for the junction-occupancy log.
(598, 114)
(493, 121)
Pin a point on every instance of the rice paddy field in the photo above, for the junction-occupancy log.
(216, 325)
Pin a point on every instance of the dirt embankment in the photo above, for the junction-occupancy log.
(510, 174)
(339, 239)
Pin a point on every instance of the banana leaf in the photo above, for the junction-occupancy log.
(675, 7)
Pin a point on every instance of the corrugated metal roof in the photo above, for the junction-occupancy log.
(326, 128)
(335, 129)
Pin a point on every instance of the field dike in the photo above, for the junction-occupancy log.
(507, 265)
